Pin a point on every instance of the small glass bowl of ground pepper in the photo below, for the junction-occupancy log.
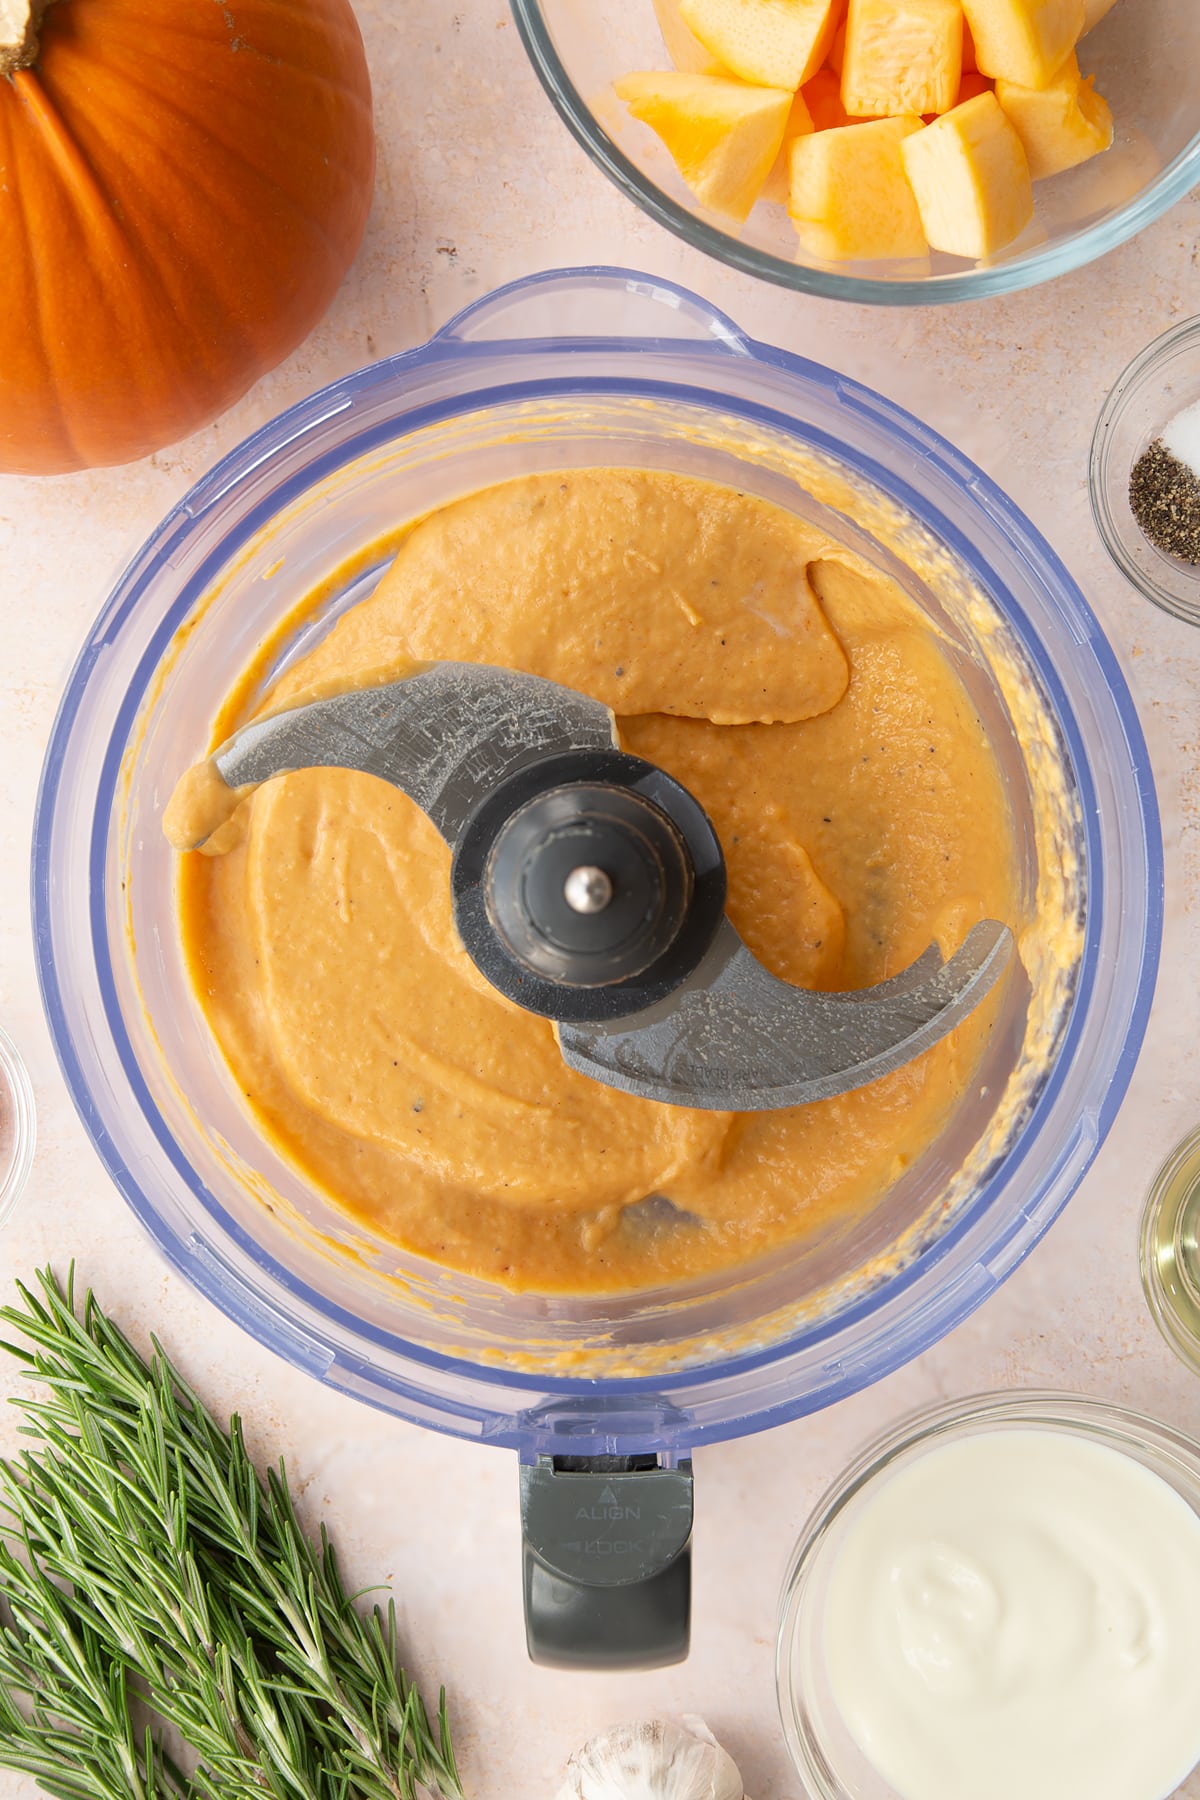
(1145, 490)
(16, 1126)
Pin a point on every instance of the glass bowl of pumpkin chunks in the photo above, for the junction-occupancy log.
(893, 151)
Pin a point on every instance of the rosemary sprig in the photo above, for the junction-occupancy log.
(151, 1577)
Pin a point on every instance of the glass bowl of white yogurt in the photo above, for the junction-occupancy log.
(1000, 1597)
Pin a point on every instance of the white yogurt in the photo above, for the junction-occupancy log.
(1016, 1616)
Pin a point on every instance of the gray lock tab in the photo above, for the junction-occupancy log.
(607, 1561)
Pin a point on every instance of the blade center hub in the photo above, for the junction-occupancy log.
(588, 883)
(589, 886)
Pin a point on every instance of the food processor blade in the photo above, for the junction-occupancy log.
(738, 1039)
(589, 886)
(446, 735)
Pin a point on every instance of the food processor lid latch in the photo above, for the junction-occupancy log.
(607, 1561)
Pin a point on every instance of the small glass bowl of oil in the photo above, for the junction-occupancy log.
(1171, 1250)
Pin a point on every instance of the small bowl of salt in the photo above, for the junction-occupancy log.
(1145, 472)
(16, 1126)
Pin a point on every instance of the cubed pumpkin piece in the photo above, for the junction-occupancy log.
(1094, 11)
(837, 50)
(799, 124)
(723, 135)
(902, 57)
(849, 196)
(1023, 40)
(776, 43)
(685, 50)
(1059, 125)
(971, 179)
(969, 61)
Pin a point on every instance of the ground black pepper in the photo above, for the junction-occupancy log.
(1164, 495)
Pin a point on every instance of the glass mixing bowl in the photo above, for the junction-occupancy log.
(827, 1758)
(577, 368)
(1143, 55)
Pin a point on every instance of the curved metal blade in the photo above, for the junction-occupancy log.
(445, 736)
(733, 1037)
(737, 1039)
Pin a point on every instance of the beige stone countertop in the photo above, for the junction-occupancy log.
(479, 183)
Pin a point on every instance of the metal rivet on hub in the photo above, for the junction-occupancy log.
(587, 890)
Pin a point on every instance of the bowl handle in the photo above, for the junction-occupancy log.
(608, 1561)
(598, 302)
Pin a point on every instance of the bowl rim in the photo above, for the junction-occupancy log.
(426, 1364)
(1088, 1416)
(1012, 276)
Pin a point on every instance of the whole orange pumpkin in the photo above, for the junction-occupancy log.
(183, 185)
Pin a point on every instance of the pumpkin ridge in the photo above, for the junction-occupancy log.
(104, 226)
(332, 38)
(38, 338)
(209, 124)
(193, 276)
(263, 177)
(230, 149)
(295, 69)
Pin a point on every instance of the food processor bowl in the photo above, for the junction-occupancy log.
(574, 369)
(1142, 54)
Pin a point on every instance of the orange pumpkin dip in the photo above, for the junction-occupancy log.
(804, 700)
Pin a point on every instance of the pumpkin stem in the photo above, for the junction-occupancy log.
(20, 23)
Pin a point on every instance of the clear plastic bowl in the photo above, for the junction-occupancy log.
(17, 1126)
(828, 1760)
(569, 369)
(1143, 54)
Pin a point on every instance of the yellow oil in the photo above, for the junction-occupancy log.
(1171, 1250)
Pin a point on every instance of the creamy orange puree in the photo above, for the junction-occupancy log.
(808, 704)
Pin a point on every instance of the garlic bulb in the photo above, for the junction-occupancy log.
(653, 1760)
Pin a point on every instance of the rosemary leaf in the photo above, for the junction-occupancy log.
(150, 1569)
